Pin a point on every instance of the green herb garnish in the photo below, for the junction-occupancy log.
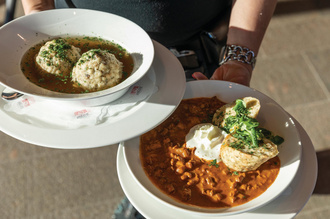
(214, 163)
(241, 125)
(236, 173)
(246, 129)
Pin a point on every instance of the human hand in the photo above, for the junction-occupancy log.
(34, 6)
(232, 71)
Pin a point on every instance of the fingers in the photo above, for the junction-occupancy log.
(218, 74)
(231, 71)
(199, 76)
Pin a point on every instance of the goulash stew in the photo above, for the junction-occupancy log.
(179, 173)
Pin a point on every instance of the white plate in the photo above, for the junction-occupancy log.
(287, 205)
(171, 82)
(271, 116)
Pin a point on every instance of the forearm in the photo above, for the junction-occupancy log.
(31, 6)
(249, 21)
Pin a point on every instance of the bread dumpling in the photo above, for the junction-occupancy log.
(241, 157)
(57, 57)
(97, 70)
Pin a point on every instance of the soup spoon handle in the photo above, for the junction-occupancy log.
(9, 94)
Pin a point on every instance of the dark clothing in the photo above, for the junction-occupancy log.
(170, 22)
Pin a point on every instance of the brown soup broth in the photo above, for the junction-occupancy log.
(54, 83)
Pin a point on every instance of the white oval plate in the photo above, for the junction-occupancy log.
(170, 80)
(271, 116)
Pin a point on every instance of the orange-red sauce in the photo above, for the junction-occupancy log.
(176, 171)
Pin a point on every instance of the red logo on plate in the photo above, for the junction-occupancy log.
(136, 90)
(81, 113)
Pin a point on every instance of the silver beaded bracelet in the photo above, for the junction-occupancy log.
(238, 53)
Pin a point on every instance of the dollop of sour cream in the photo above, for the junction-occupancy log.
(207, 139)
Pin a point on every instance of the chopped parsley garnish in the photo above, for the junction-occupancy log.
(237, 144)
(236, 173)
(241, 125)
(214, 163)
(246, 129)
(267, 134)
(60, 48)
